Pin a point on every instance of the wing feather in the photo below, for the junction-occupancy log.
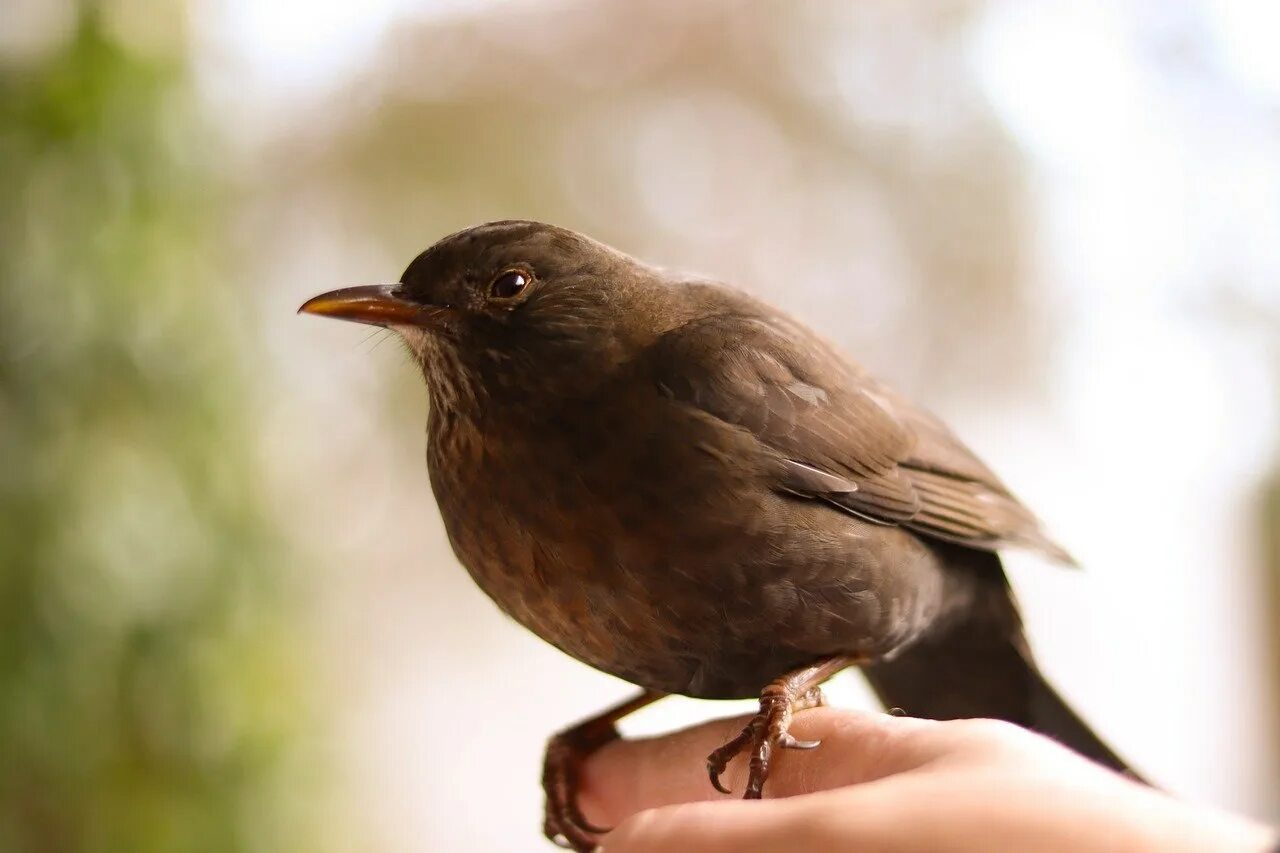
(834, 434)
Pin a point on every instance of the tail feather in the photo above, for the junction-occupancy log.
(981, 666)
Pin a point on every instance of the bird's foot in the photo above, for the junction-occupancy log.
(563, 821)
(770, 727)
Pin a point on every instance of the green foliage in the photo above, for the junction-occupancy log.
(145, 681)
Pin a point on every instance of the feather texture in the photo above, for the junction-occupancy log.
(835, 435)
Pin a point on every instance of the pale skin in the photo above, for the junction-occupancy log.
(882, 783)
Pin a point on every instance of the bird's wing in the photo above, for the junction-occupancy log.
(835, 435)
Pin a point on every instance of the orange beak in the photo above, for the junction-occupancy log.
(377, 304)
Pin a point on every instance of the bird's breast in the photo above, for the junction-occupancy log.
(575, 536)
(658, 553)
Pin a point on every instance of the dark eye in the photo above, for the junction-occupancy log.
(509, 284)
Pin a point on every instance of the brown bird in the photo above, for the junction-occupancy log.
(683, 487)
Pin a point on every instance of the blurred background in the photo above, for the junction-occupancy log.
(229, 619)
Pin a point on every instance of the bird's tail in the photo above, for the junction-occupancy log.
(981, 666)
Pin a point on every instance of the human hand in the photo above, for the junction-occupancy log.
(883, 783)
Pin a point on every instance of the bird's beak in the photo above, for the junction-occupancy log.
(377, 304)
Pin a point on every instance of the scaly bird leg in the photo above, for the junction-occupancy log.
(769, 728)
(563, 821)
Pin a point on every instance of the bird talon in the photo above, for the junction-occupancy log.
(788, 741)
(714, 773)
(768, 729)
(563, 822)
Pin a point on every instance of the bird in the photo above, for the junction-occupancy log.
(682, 486)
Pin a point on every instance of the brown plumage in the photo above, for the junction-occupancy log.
(681, 486)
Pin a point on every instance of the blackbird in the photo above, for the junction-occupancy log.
(684, 487)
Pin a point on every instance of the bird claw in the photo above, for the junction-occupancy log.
(788, 741)
(766, 729)
(713, 774)
(563, 821)
(718, 761)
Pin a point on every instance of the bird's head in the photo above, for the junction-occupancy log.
(512, 308)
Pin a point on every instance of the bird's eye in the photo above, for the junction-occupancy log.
(509, 284)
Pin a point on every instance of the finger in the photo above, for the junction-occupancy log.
(729, 826)
(629, 776)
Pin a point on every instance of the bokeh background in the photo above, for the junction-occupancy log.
(229, 619)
